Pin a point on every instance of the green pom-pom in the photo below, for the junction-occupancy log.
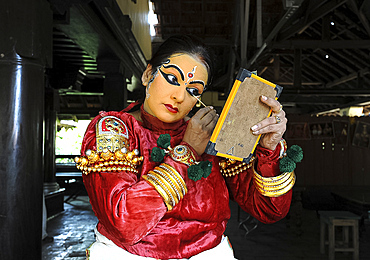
(157, 154)
(295, 153)
(164, 141)
(195, 172)
(207, 168)
(287, 164)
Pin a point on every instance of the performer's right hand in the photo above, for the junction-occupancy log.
(200, 129)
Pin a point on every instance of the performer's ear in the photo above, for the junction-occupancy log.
(147, 75)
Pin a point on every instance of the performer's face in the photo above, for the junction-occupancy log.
(167, 88)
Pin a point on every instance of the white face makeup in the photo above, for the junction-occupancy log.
(155, 74)
(190, 81)
(171, 89)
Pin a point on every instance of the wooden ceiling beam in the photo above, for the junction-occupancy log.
(320, 44)
(312, 17)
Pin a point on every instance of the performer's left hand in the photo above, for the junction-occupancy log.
(273, 127)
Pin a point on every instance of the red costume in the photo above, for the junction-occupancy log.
(133, 215)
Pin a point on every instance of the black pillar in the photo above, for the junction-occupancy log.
(115, 86)
(51, 102)
(25, 49)
(115, 92)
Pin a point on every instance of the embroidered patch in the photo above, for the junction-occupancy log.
(111, 133)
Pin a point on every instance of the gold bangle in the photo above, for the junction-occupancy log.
(169, 187)
(171, 180)
(161, 192)
(164, 187)
(273, 179)
(176, 175)
(278, 193)
(283, 178)
(166, 180)
(274, 187)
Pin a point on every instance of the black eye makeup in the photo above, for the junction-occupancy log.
(193, 91)
(170, 78)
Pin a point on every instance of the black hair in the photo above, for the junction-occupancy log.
(184, 44)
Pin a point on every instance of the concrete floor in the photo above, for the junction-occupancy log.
(295, 237)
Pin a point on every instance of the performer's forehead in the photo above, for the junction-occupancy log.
(184, 63)
(183, 59)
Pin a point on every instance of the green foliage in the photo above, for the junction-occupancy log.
(68, 140)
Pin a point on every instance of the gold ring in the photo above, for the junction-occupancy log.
(280, 109)
(278, 120)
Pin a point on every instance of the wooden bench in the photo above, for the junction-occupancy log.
(72, 182)
(329, 220)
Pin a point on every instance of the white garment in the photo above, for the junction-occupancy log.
(105, 249)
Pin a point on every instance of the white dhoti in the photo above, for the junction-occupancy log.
(105, 249)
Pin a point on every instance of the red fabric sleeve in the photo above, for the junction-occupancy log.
(242, 190)
(127, 208)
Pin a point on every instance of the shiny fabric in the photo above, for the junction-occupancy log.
(132, 214)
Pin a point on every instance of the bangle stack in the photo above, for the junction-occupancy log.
(168, 183)
(274, 186)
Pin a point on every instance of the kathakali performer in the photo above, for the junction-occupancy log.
(155, 192)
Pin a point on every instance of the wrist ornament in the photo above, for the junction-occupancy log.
(168, 183)
(274, 186)
(181, 153)
(279, 185)
(283, 148)
(230, 167)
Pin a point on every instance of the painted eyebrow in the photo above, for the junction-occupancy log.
(198, 82)
(177, 68)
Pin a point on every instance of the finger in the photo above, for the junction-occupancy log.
(211, 125)
(275, 105)
(270, 124)
(207, 118)
(277, 129)
(202, 112)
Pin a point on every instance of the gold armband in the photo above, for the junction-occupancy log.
(111, 152)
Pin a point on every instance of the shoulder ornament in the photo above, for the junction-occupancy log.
(112, 149)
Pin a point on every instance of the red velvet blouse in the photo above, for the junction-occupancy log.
(133, 215)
